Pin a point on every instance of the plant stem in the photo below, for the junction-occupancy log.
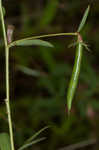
(7, 101)
(43, 36)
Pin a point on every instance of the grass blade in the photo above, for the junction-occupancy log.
(74, 76)
(37, 133)
(31, 143)
(28, 71)
(83, 21)
(35, 42)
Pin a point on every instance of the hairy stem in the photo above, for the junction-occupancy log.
(7, 101)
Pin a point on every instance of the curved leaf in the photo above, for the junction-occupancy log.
(28, 71)
(31, 140)
(35, 42)
(37, 133)
(31, 143)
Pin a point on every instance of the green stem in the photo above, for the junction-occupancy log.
(7, 101)
(43, 36)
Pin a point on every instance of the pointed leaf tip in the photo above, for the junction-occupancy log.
(37, 133)
(84, 18)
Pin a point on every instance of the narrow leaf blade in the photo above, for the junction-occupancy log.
(29, 71)
(31, 143)
(4, 142)
(35, 42)
(83, 21)
(37, 133)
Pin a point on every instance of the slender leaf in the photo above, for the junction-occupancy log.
(35, 42)
(75, 76)
(4, 142)
(83, 21)
(31, 143)
(29, 71)
(37, 133)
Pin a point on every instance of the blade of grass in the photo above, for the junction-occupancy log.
(35, 42)
(75, 74)
(83, 21)
(36, 134)
(28, 71)
(31, 143)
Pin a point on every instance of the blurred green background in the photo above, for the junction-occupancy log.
(39, 76)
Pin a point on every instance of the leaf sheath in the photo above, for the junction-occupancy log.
(74, 77)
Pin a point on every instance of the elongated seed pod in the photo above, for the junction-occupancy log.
(75, 74)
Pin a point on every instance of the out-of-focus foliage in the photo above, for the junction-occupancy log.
(5, 141)
(39, 99)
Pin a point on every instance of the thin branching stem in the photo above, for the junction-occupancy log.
(7, 100)
(43, 36)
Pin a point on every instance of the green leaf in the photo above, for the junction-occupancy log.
(31, 140)
(4, 142)
(83, 21)
(29, 71)
(75, 76)
(37, 133)
(31, 143)
(35, 42)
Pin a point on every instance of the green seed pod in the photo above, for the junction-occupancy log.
(75, 74)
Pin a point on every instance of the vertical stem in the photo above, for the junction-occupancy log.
(7, 78)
